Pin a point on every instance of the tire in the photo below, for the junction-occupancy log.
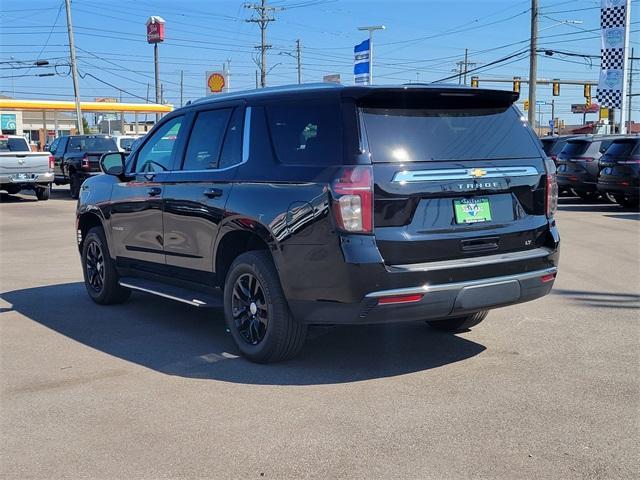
(43, 193)
(458, 324)
(627, 202)
(256, 310)
(74, 185)
(100, 276)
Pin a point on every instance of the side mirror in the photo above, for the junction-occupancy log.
(112, 163)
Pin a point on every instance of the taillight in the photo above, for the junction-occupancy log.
(632, 160)
(552, 195)
(353, 199)
(52, 162)
(584, 159)
(85, 162)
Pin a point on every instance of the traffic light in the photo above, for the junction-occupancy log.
(475, 81)
(587, 91)
(516, 84)
(526, 105)
(556, 87)
(587, 102)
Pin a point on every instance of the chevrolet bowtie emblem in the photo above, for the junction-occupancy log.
(477, 172)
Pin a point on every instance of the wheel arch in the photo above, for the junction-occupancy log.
(85, 222)
(234, 241)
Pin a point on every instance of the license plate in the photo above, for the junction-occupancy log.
(472, 210)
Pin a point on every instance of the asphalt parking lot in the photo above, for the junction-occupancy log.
(154, 389)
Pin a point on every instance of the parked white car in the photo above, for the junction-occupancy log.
(124, 142)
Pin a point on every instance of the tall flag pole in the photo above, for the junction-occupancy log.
(362, 63)
(614, 31)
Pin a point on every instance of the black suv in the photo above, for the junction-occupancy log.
(327, 204)
(620, 171)
(77, 157)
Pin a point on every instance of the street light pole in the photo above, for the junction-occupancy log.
(74, 68)
(533, 62)
(371, 29)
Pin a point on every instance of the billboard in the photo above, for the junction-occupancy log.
(582, 108)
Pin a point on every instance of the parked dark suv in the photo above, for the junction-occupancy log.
(327, 204)
(620, 171)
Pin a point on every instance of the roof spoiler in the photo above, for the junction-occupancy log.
(421, 96)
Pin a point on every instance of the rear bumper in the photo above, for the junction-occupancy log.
(577, 181)
(438, 301)
(617, 188)
(33, 178)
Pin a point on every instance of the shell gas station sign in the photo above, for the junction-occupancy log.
(216, 82)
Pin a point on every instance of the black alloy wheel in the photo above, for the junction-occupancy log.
(249, 307)
(94, 265)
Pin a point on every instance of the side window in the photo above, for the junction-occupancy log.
(54, 146)
(604, 145)
(75, 144)
(306, 134)
(232, 149)
(156, 154)
(205, 141)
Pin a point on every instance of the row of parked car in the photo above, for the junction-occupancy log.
(595, 166)
(69, 159)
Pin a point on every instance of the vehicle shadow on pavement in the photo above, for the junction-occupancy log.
(579, 205)
(17, 198)
(625, 301)
(188, 342)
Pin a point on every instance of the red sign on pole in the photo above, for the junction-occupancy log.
(155, 29)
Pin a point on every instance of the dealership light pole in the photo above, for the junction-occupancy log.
(371, 29)
(74, 68)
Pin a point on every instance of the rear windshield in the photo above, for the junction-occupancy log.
(553, 146)
(574, 148)
(92, 144)
(13, 145)
(623, 148)
(126, 143)
(446, 134)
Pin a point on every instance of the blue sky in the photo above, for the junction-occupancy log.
(423, 41)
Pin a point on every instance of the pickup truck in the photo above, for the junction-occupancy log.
(77, 157)
(20, 168)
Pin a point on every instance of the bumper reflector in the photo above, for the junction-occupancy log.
(548, 278)
(396, 299)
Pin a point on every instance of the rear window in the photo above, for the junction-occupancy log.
(92, 144)
(575, 148)
(306, 133)
(13, 145)
(623, 148)
(397, 135)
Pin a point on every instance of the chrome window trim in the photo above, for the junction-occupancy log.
(473, 261)
(406, 176)
(460, 285)
(246, 136)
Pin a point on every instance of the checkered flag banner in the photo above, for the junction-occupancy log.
(613, 16)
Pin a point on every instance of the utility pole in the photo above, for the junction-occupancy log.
(630, 95)
(181, 86)
(145, 115)
(298, 56)
(264, 18)
(533, 62)
(74, 68)
(371, 29)
(257, 79)
(553, 116)
(227, 85)
(463, 67)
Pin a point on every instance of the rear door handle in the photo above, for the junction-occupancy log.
(154, 191)
(213, 192)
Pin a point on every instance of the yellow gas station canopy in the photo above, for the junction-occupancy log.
(63, 106)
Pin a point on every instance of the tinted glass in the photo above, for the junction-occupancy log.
(575, 148)
(126, 143)
(420, 135)
(54, 146)
(622, 148)
(205, 141)
(604, 145)
(306, 133)
(157, 153)
(13, 145)
(92, 144)
(232, 148)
